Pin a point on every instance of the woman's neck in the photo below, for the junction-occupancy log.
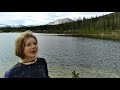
(28, 60)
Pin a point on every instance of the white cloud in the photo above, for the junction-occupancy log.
(41, 18)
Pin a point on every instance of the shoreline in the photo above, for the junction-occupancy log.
(94, 36)
(90, 36)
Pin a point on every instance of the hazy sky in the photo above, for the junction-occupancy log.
(42, 18)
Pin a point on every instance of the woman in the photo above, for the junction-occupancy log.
(29, 66)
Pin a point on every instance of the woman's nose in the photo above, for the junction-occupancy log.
(34, 46)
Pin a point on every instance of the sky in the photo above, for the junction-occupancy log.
(42, 18)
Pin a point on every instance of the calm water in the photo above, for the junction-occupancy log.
(88, 57)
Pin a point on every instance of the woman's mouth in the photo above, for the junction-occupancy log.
(33, 52)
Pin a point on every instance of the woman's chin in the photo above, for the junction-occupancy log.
(33, 56)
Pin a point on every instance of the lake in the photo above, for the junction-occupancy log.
(91, 58)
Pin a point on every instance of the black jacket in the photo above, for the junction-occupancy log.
(36, 70)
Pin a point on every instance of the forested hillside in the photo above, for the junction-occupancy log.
(106, 26)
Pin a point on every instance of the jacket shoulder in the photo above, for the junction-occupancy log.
(42, 60)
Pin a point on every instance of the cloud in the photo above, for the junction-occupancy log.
(41, 18)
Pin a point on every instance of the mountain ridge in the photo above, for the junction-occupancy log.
(56, 22)
(60, 21)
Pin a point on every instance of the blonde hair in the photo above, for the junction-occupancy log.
(20, 43)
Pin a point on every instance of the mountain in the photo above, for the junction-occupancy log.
(18, 25)
(60, 21)
(4, 25)
(77, 18)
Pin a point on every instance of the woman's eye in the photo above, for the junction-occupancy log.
(28, 45)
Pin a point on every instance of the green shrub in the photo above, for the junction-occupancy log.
(75, 75)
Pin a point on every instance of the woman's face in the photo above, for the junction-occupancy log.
(31, 48)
